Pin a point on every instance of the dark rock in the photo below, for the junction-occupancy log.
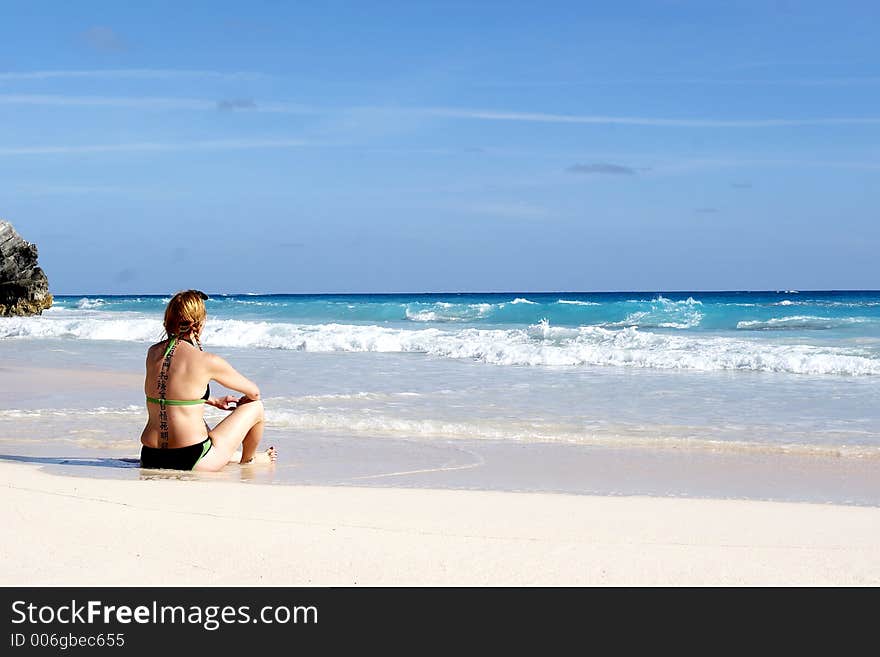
(24, 289)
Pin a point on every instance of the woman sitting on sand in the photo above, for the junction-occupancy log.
(176, 435)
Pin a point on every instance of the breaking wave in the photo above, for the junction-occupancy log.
(570, 302)
(664, 313)
(536, 345)
(800, 322)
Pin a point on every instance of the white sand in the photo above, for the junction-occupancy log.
(78, 531)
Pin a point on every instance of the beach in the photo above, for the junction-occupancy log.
(575, 294)
(394, 512)
(403, 466)
(88, 531)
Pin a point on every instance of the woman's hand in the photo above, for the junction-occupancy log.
(223, 403)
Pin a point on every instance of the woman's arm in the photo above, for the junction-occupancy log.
(226, 375)
(223, 403)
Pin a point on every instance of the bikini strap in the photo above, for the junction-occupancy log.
(163, 385)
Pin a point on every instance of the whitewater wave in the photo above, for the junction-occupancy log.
(663, 313)
(16, 413)
(300, 414)
(570, 302)
(800, 322)
(246, 302)
(646, 319)
(824, 303)
(537, 345)
(519, 300)
(449, 312)
(660, 299)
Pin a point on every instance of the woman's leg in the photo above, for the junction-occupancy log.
(241, 428)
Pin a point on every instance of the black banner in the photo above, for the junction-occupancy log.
(228, 620)
(135, 620)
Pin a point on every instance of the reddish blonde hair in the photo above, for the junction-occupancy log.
(185, 312)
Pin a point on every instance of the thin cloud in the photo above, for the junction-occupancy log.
(602, 168)
(541, 117)
(146, 103)
(246, 75)
(796, 82)
(688, 165)
(42, 189)
(231, 104)
(705, 210)
(107, 101)
(104, 39)
(851, 81)
(133, 73)
(484, 115)
(148, 147)
(741, 185)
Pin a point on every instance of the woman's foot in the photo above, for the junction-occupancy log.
(269, 456)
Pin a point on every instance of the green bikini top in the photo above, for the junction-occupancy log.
(163, 382)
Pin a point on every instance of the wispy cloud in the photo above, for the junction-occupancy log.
(147, 147)
(541, 117)
(160, 103)
(104, 39)
(235, 104)
(107, 101)
(130, 73)
(149, 103)
(602, 168)
(841, 81)
(150, 73)
(53, 189)
(687, 165)
(705, 210)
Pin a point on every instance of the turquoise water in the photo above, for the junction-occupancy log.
(846, 313)
(794, 332)
(781, 371)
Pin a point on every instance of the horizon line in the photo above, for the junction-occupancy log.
(510, 292)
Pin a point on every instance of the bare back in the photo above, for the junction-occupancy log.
(188, 376)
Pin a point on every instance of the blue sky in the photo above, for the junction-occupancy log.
(397, 146)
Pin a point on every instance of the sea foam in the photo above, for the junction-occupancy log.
(537, 345)
(800, 322)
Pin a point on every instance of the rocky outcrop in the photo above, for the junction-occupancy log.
(24, 289)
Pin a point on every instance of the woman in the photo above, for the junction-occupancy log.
(177, 388)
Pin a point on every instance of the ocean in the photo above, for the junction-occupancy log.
(782, 371)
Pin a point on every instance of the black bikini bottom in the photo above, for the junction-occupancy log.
(177, 458)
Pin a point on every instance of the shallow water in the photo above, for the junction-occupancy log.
(332, 370)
